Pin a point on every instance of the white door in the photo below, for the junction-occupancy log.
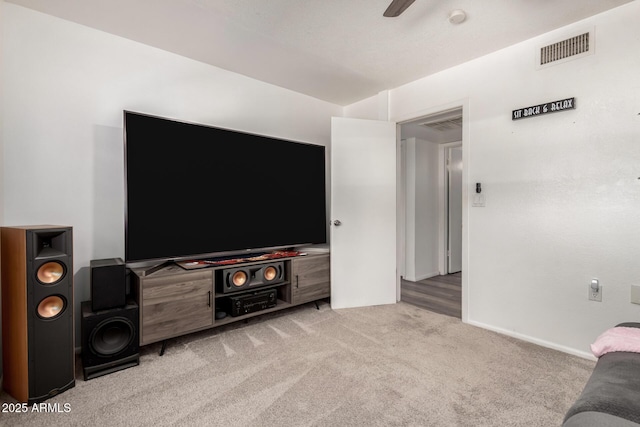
(455, 209)
(363, 212)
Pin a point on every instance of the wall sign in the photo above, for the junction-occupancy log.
(549, 107)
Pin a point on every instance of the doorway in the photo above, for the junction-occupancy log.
(432, 189)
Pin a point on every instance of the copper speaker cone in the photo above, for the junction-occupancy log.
(239, 278)
(50, 307)
(50, 272)
(270, 273)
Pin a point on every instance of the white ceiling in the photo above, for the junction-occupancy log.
(340, 51)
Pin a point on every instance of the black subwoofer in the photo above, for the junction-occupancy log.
(37, 311)
(110, 339)
(255, 276)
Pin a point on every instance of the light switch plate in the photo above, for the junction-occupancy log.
(478, 200)
(635, 294)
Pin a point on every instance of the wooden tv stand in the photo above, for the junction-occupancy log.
(174, 301)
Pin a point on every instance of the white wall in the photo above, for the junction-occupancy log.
(562, 190)
(422, 209)
(64, 88)
(368, 108)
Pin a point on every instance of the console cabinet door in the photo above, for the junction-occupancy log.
(310, 278)
(176, 304)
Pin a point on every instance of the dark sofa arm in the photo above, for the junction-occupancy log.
(629, 325)
(613, 388)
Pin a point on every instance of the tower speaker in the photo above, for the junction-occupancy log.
(109, 339)
(244, 277)
(37, 311)
(108, 283)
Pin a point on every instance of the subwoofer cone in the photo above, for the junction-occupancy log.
(239, 278)
(50, 272)
(51, 307)
(270, 273)
(111, 336)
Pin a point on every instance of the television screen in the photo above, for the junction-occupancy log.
(195, 191)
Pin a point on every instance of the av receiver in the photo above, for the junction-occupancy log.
(252, 302)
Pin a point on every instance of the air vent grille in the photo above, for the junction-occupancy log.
(444, 125)
(564, 49)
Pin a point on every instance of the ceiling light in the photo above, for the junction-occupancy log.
(457, 16)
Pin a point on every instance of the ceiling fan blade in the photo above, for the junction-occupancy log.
(397, 7)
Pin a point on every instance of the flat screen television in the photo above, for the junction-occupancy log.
(198, 191)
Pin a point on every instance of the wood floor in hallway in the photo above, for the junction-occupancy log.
(440, 294)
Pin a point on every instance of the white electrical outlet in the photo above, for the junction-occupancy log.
(595, 290)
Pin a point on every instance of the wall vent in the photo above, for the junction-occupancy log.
(565, 50)
(444, 125)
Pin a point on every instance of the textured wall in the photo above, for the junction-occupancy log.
(562, 190)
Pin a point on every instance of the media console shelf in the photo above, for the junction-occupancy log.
(174, 301)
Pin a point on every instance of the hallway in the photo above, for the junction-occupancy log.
(440, 294)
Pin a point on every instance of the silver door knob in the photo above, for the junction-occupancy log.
(337, 222)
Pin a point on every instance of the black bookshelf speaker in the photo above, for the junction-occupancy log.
(37, 311)
(108, 283)
(244, 277)
(110, 339)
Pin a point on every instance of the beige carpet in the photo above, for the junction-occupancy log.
(392, 365)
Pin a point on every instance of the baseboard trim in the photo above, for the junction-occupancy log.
(527, 338)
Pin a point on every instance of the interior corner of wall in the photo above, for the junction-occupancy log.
(384, 105)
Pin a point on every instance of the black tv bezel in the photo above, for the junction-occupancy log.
(146, 262)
